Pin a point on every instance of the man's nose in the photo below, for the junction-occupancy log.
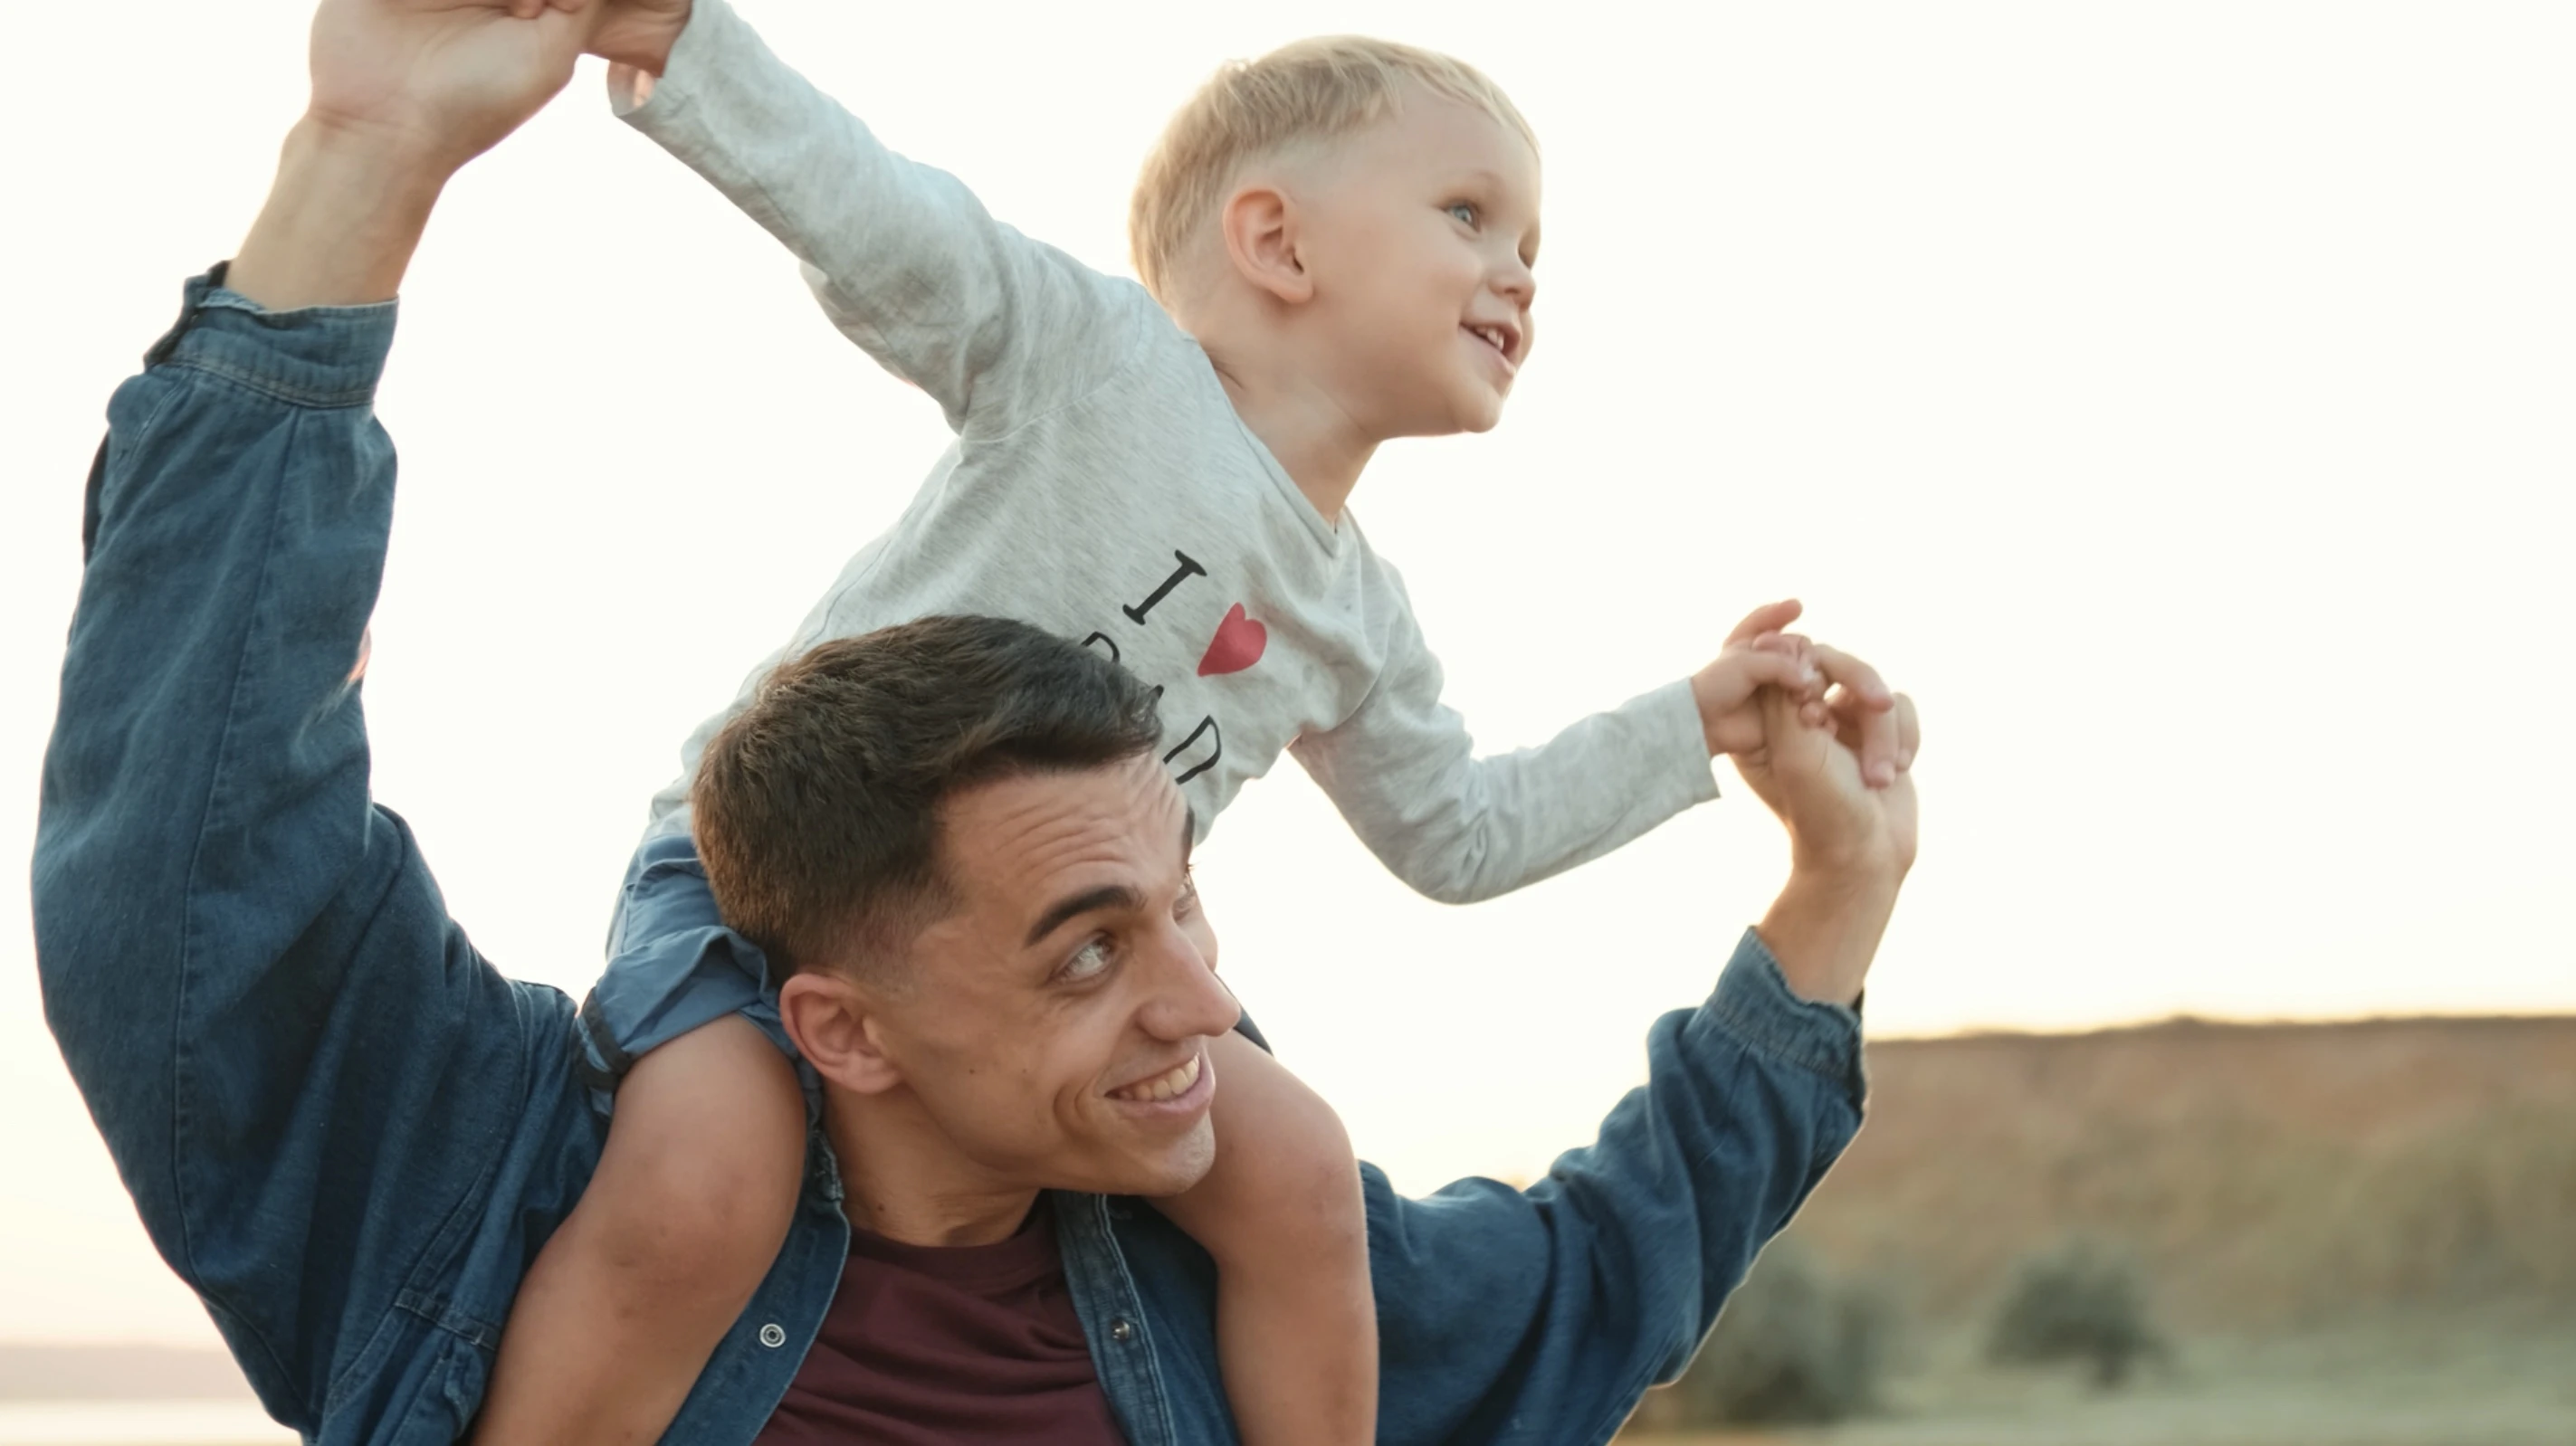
(1187, 1002)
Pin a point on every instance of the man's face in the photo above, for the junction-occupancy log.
(1420, 233)
(1055, 1026)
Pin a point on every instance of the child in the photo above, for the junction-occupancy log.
(1336, 244)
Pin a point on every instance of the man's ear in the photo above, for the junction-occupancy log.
(833, 1023)
(1260, 228)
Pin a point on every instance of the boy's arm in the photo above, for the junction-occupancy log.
(905, 260)
(1459, 828)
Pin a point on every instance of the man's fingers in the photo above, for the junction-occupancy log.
(1865, 707)
(1909, 733)
(1871, 734)
(1852, 674)
(1768, 618)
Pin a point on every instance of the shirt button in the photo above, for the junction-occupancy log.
(772, 1337)
(1122, 1330)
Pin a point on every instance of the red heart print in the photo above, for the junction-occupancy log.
(1236, 646)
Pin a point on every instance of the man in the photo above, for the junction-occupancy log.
(350, 1134)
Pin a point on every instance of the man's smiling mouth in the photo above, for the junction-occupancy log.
(1163, 1086)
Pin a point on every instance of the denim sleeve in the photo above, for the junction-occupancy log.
(1542, 1315)
(310, 1082)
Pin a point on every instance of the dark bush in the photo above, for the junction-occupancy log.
(1793, 1345)
(2079, 1301)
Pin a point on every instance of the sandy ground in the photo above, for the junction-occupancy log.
(2411, 1384)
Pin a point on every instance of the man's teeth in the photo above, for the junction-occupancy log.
(1163, 1087)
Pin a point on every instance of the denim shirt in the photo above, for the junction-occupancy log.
(351, 1134)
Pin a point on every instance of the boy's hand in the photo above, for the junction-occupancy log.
(637, 34)
(1757, 655)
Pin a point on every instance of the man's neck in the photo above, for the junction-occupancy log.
(902, 1178)
(1322, 447)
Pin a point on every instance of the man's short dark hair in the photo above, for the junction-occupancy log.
(817, 809)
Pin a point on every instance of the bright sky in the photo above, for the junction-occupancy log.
(2179, 400)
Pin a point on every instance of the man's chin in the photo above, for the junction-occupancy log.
(1171, 1169)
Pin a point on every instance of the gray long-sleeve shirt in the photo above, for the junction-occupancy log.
(1102, 486)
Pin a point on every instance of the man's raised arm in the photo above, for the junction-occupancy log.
(1542, 1315)
(307, 1077)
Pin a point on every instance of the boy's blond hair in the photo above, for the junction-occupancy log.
(1326, 86)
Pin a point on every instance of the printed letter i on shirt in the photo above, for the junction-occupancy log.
(1189, 568)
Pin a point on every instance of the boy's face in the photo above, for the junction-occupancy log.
(1419, 234)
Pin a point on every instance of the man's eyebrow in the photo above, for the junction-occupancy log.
(1107, 896)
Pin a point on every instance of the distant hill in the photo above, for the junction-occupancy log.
(117, 1373)
(2264, 1174)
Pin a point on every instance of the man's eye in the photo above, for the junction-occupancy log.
(1464, 212)
(1188, 903)
(1086, 962)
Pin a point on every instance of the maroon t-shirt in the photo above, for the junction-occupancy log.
(926, 1346)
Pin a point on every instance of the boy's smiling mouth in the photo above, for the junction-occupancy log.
(1504, 338)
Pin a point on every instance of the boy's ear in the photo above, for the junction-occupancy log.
(834, 1024)
(1260, 227)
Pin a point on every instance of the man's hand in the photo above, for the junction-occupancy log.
(1811, 776)
(439, 82)
(404, 93)
(1850, 844)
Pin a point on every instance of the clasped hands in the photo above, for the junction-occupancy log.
(1819, 738)
(438, 82)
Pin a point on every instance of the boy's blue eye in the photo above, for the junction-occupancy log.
(1464, 211)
